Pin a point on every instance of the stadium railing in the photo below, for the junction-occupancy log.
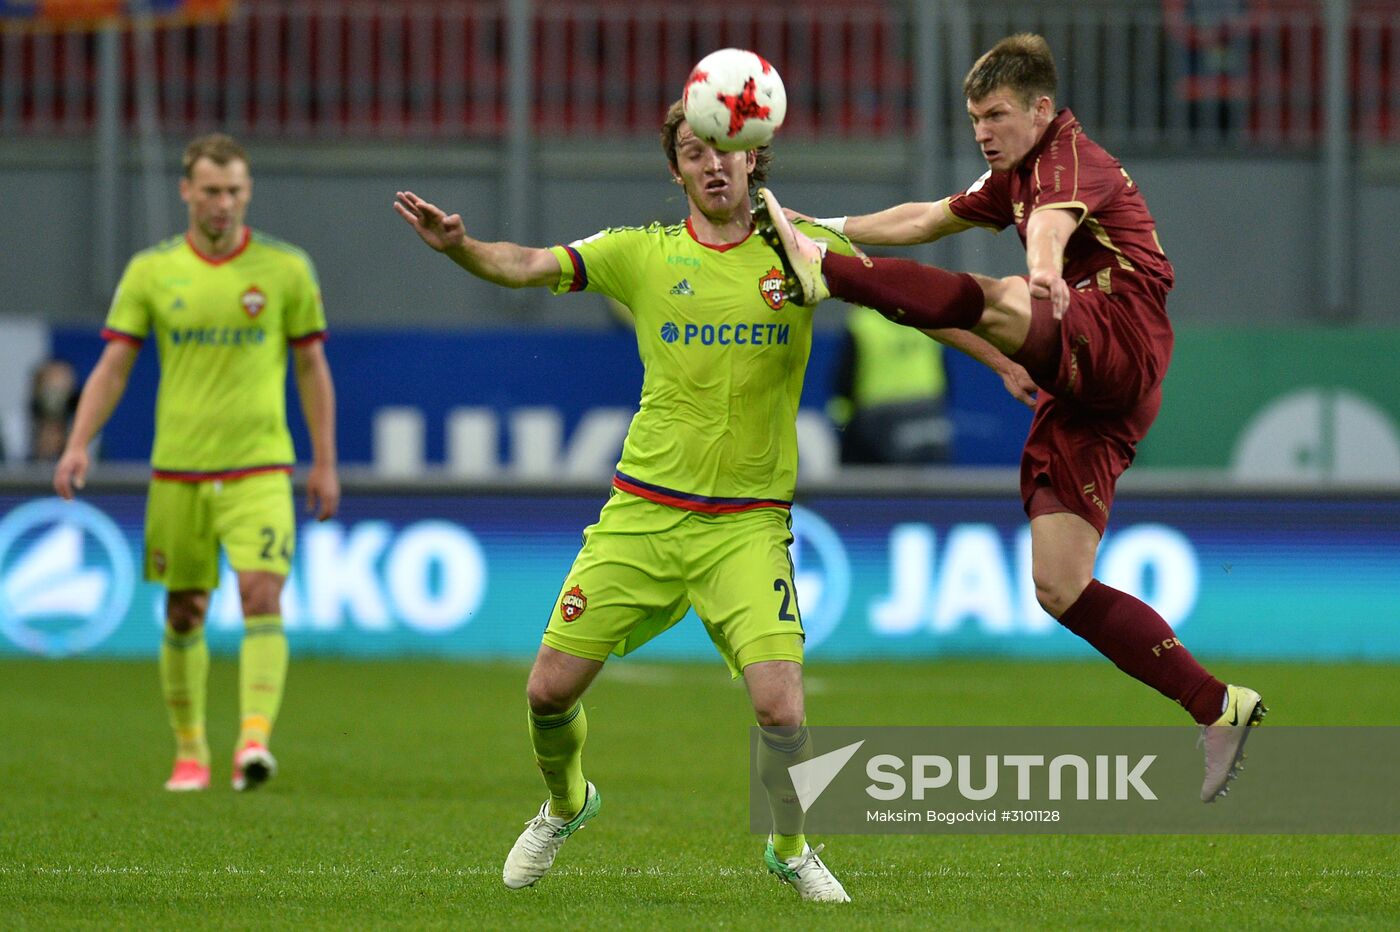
(1246, 73)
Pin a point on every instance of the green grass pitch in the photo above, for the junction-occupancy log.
(403, 785)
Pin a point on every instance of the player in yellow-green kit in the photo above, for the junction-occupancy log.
(224, 305)
(699, 513)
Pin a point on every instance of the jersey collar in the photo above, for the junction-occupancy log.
(1056, 126)
(717, 247)
(220, 260)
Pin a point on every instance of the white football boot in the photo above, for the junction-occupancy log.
(812, 879)
(533, 852)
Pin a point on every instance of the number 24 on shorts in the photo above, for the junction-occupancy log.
(269, 541)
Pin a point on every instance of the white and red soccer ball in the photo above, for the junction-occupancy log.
(734, 100)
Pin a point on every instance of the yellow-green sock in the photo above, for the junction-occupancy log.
(779, 749)
(262, 672)
(558, 743)
(184, 677)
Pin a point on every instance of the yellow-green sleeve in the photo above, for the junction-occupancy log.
(129, 316)
(603, 262)
(306, 316)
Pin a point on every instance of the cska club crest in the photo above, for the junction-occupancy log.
(572, 605)
(771, 286)
(253, 301)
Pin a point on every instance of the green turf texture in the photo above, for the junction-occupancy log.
(403, 785)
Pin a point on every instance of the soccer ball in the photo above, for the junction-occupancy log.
(734, 100)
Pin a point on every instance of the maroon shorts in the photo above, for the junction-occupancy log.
(1097, 404)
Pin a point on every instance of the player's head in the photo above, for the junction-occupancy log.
(717, 183)
(216, 187)
(1010, 95)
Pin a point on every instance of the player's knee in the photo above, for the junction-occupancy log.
(547, 696)
(184, 611)
(779, 712)
(1057, 592)
(261, 594)
(1003, 297)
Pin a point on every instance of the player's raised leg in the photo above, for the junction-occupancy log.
(907, 292)
(558, 728)
(184, 675)
(775, 688)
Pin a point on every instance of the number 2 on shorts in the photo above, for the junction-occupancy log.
(782, 585)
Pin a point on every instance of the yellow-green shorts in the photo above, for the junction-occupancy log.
(187, 522)
(643, 565)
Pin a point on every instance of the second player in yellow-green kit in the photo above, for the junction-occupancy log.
(227, 308)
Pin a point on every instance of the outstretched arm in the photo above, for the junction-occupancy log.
(1014, 377)
(507, 264)
(901, 225)
(905, 224)
(101, 392)
(317, 392)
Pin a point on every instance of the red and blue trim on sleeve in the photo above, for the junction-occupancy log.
(709, 504)
(580, 281)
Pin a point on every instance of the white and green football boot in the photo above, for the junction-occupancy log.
(533, 853)
(812, 879)
(1224, 740)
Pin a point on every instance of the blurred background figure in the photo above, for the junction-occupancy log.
(53, 397)
(889, 397)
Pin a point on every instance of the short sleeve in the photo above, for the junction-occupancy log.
(987, 203)
(304, 319)
(604, 262)
(129, 316)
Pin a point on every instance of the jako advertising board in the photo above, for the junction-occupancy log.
(478, 575)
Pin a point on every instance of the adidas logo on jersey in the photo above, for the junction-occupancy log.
(683, 288)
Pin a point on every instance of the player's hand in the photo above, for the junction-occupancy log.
(322, 491)
(437, 229)
(795, 215)
(1019, 384)
(70, 474)
(1052, 286)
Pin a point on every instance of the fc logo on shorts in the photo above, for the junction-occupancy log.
(571, 607)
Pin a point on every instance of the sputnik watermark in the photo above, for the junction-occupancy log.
(1115, 777)
(1068, 780)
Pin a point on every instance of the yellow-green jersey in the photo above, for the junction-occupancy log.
(724, 351)
(222, 327)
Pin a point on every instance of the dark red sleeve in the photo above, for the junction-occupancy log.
(987, 203)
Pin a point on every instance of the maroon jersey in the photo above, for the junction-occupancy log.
(1115, 244)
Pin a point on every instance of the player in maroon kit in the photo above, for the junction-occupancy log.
(1088, 322)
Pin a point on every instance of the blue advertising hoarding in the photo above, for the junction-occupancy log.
(568, 372)
(477, 575)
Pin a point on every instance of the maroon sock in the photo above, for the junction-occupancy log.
(906, 292)
(1139, 641)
